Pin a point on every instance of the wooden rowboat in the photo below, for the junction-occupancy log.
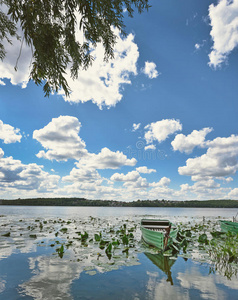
(229, 226)
(158, 233)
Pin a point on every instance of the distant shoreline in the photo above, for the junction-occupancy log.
(113, 203)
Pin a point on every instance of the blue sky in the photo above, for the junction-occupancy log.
(157, 122)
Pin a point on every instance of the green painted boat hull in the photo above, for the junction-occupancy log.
(156, 238)
(229, 226)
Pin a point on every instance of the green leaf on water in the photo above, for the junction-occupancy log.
(33, 236)
(126, 250)
(125, 240)
(109, 251)
(97, 237)
(116, 243)
(203, 239)
(188, 233)
(84, 237)
(60, 251)
(216, 234)
(6, 234)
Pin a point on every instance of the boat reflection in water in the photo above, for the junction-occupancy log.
(163, 263)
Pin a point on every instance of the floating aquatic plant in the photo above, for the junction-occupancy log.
(60, 251)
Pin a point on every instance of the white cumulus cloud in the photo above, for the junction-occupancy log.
(224, 32)
(131, 176)
(221, 159)
(60, 138)
(163, 182)
(103, 82)
(150, 147)
(145, 170)
(150, 70)
(187, 143)
(14, 175)
(132, 180)
(233, 194)
(9, 134)
(83, 175)
(106, 159)
(160, 130)
(136, 126)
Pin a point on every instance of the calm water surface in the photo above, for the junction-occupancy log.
(76, 212)
(30, 268)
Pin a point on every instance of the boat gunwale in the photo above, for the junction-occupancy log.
(173, 227)
(160, 234)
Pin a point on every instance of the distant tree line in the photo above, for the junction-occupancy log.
(112, 203)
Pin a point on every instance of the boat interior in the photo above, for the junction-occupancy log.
(156, 225)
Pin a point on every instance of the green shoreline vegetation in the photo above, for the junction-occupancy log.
(113, 203)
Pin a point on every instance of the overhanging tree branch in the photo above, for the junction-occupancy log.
(50, 27)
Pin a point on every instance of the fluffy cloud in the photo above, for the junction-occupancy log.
(16, 175)
(106, 159)
(91, 190)
(132, 180)
(83, 175)
(84, 179)
(160, 130)
(150, 70)
(228, 179)
(164, 182)
(9, 134)
(224, 33)
(1, 153)
(219, 160)
(197, 46)
(136, 126)
(145, 170)
(61, 137)
(205, 189)
(233, 194)
(131, 176)
(150, 147)
(102, 82)
(140, 183)
(187, 143)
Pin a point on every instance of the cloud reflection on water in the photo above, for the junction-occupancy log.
(52, 277)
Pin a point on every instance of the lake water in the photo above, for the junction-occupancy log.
(33, 267)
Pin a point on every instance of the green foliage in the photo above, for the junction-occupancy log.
(60, 251)
(125, 240)
(138, 203)
(108, 251)
(203, 239)
(84, 237)
(49, 28)
(224, 252)
(7, 29)
(97, 237)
